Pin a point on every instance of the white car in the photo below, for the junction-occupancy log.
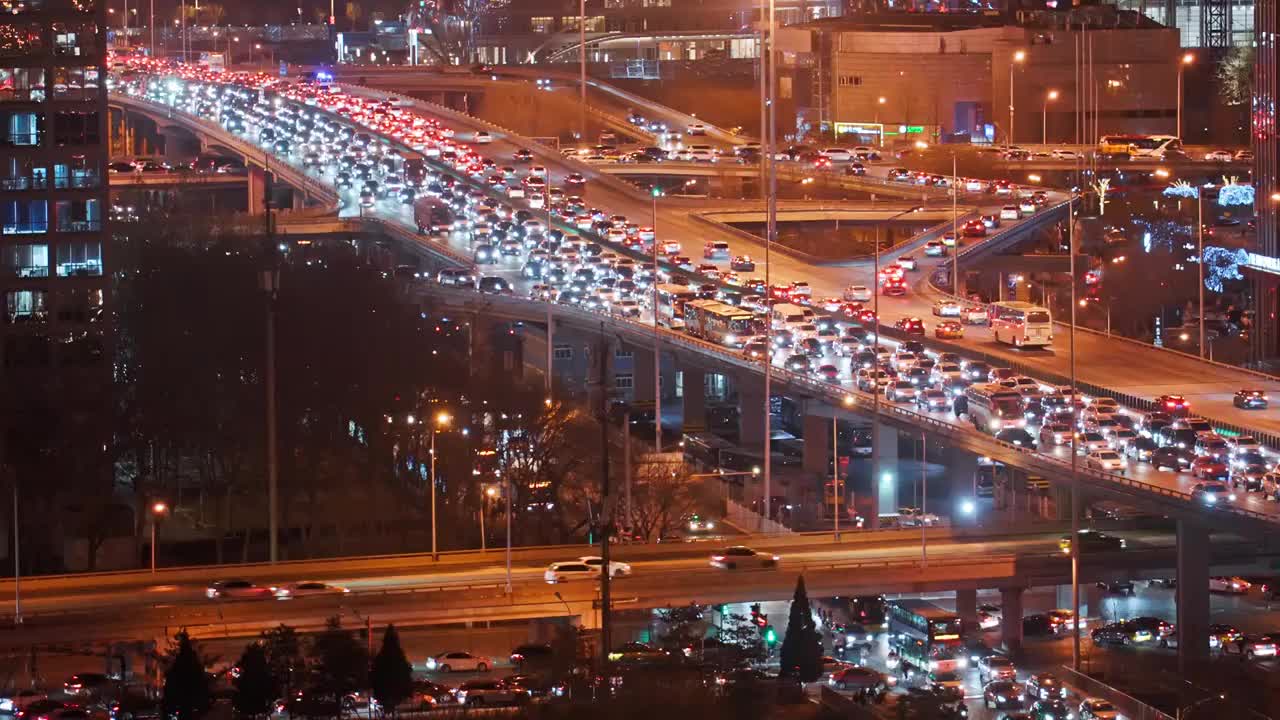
(458, 661)
(1098, 709)
(559, 572)
(836, 154)
(907, 262)
(1010, 212)
(740, 556)
(1218, 156)
(1106, 461)
(1064, 154)
(616, 568)
(935, 248)
(1223, 584)
(696, 128)
(857, 293)
(483, 138)
(946, 308)
(307, 588)
(995, 667)
(700, 153)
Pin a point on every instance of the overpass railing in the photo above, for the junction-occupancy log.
(1133, 708)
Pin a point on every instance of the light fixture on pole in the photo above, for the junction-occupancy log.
(1183, 63)
(880, 101)
(1017, 57)
(1044, 118)
(490, 492)
(442, 421)
(158, 510)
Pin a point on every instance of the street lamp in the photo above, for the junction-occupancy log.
(1044, 120)
(656, 193)
(880, 101)
(442, 421)
(158, 510)
(1187, 59)
(1018, 56)
(490, 492)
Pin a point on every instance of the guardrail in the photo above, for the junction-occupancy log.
(1133, 708)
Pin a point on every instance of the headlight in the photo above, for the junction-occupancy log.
(1001, 698)
(962, 662)
(1232, 497)
(933, 664)
(1210, 498)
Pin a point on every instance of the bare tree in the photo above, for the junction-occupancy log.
(663, 494)
(453, 26)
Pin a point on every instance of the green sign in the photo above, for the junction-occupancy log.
(914, 129)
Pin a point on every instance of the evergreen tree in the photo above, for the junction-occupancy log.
(340, 662)
(801, 654)
(391, 677)
(255, 687)
(186, 687)
(283, 651)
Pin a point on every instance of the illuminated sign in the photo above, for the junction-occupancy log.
(1264, 263)
(859, 128)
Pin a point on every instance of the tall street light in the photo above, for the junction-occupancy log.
(657, 337)
(442, 420)
(1018, 57)
(490, 492)
(1186, 60)
(880, 101)
(158, 510)
(1044, 118)
(770, 233)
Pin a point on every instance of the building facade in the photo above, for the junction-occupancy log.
(54, 334)
(958, 77)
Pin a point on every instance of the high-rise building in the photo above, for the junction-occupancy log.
(1266, 170)
(54, 364)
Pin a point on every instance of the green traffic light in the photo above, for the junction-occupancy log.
(770, 635)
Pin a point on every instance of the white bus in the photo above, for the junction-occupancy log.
(671, 300)
(1155, 147)
(719, 322)
(993, 408)
(1021, 324)
(786, 315)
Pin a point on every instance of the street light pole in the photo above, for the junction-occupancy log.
(582, 67)
(772, 228)
(1018, 56)
(1187, 59)
(506, 479)
(440, 420)
(1044, 119)
(17, 564)
(875, 385)
(955, 228)
(1075, 478)
(1200, 260)
(657, 337)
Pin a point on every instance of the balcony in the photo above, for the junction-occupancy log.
(79, 226)
(25, 227)
(23, 182)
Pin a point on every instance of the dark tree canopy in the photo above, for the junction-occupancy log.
(391, 677)
(186, 686)
(340, 663)
(255, 688)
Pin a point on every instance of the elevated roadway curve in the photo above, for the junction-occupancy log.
(1166, 491)
(472, 585)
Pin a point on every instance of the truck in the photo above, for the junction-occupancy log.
(415, 169)
(432, 216)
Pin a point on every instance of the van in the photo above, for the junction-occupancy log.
(715, 250)
(789, 316)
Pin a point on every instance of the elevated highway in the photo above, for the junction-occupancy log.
(471, 586)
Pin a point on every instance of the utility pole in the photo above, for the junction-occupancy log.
(271, 285)
(955, 229)
(17, 563)
(582, 68)
(1075, 478)
(770, 235)
(606, 506)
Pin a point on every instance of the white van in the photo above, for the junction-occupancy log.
(788, 316)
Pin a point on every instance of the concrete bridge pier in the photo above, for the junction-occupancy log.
(962, 469)
(256, 193)
(1011, 619)
(967, 606)
(694, 389)
(884, 489)
(177, 143)
(817, 444)
(1192, 596)
(750, 412)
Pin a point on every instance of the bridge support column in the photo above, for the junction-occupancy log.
(751, 413)
(694, 386)
(299, 199)
(175, 141)
(642, 374)
(256, 189)
(817, 444)
(1011, 619)
(884, 492)
(1193, 596)
(962, 466)
(967, 607)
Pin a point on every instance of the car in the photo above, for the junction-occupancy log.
(487, 692)
(946, 308)
(523, 155)
(15, 701)
(910, 325)
(531, 654)
(742, 263)
(1010, 212)
(996, 667)
(907, 262)
(237, 590)
(1174, 405)
(935, 248)
(1244, 156)
(1044, 686)
(616, 569)
(1211, 493)
(1092, 541)
(1105, 461)
(741, 556)
(974, 228)
(1116, 587)
(1051, 709)
(307, 588)
(932, 399)
(86, 684)
(1121, 633)
(1157, 627)
(857, 293)
(1250, 399)
(948, 330)
(1003, 695)
(1218, 156)
(859, 678)
(1250, 647)
(1224, 584)
(560, 572)
(696, 128)
(900, 391)
(458, 661)
(482, 137)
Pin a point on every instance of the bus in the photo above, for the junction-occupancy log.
(719, 322)
(787, 315)
(671, 300)
(925, 637)
(993, 408)
(1131, 147)
(1021, 324)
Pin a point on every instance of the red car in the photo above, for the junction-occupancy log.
(974, 228)
(1175, 405)
(910, 326)
(895, 287)
(851, 309)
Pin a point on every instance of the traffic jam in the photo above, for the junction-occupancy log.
(528, 229)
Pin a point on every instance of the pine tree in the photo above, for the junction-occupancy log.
(341, 663)
(255, 687)
(391, 676)
(801, 654)
(186, 687)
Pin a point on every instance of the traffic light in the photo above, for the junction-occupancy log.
(758, 618)
(770, 635)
